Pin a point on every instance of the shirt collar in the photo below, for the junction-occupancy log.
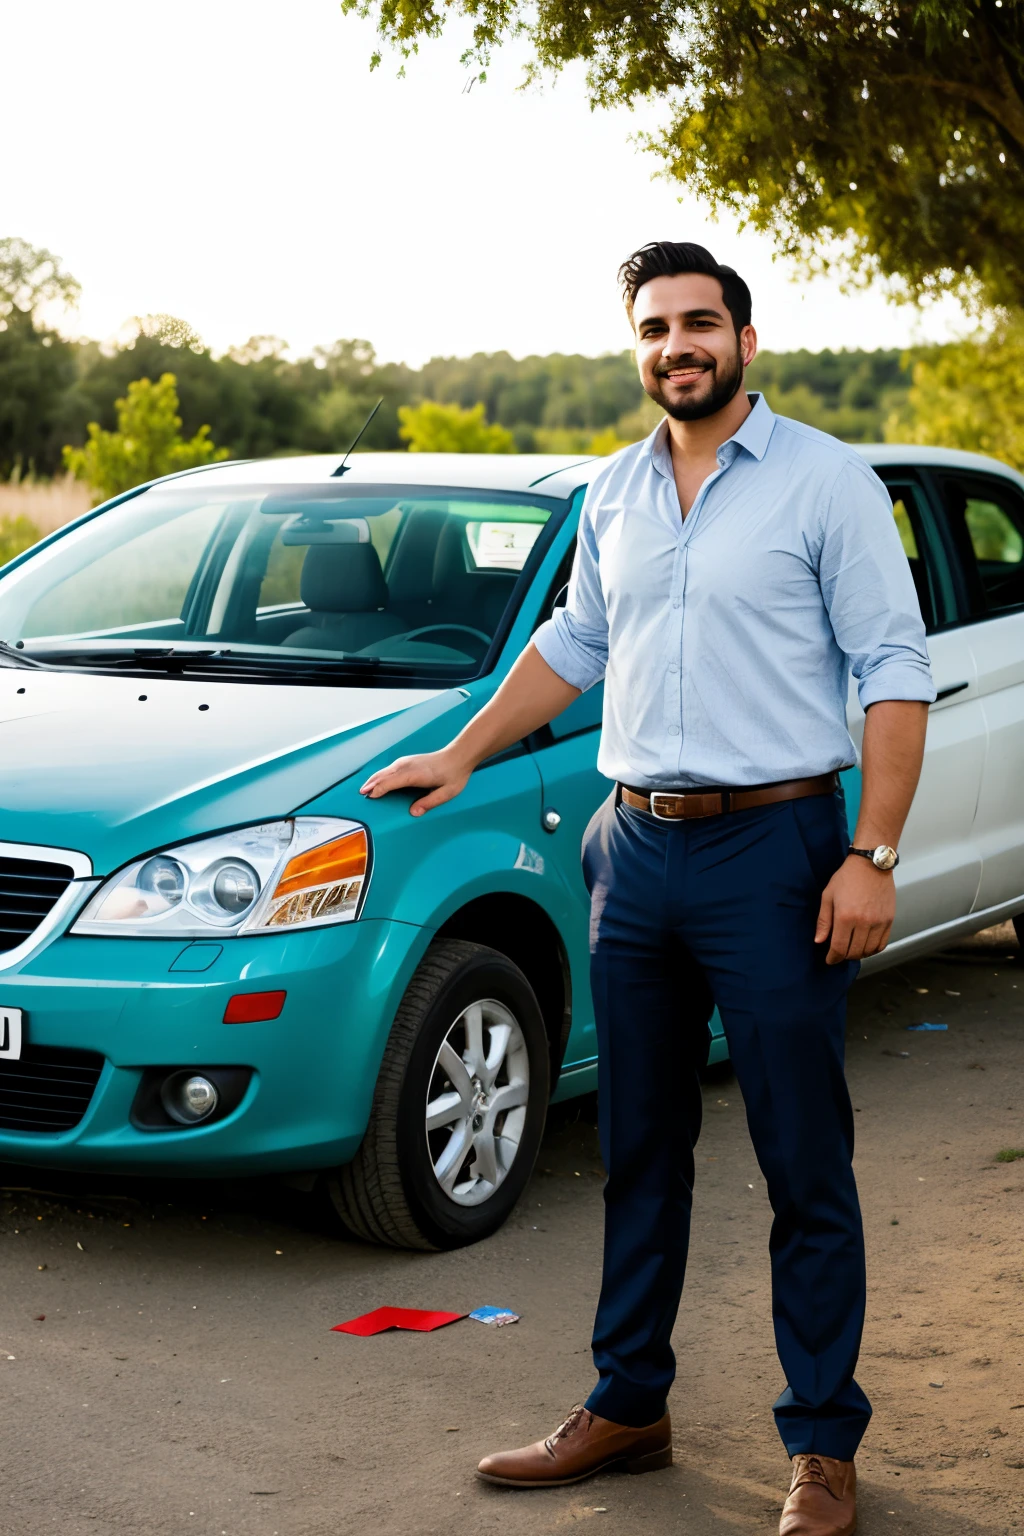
(753, 434)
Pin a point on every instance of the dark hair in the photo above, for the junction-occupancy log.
(669, 258)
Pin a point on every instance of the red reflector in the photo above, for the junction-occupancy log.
(250, 1007)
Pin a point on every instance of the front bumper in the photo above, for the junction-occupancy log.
(314, 1068)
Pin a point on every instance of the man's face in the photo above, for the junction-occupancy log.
(691, 360)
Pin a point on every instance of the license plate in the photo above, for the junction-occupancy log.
(10, 1034)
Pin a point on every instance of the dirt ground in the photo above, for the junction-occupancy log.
(168, 1366)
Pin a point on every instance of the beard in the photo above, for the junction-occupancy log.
(724, 385)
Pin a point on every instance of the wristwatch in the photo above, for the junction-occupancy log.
(883, 857)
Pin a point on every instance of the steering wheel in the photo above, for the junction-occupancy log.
(452, 629)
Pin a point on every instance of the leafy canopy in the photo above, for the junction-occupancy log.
(31, 277)
(433, 428)
(148, 442)
(899, 123)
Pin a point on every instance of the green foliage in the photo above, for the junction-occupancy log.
(1010, 1154)
(262, 403)
(849, 394)
(16, 534)
(148, 442)
(31, 277)
(968, 395)
(900, 123)
(37, 367)
(37, 384)
(433, 428)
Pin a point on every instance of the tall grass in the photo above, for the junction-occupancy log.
(48, 504)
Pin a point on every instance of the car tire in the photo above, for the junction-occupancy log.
(413, 1187)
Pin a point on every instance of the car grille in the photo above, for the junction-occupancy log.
(29, 888)
(47, 1089)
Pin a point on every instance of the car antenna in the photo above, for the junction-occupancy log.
(343, 466)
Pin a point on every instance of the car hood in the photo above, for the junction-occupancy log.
(114, 767)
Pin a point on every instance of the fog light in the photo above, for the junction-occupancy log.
(188, 1099)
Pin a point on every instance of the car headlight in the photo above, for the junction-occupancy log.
(298, 873)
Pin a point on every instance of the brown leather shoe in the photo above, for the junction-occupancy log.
(822, 1498)
(582, 1445)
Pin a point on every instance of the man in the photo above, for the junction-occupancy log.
(730, 571)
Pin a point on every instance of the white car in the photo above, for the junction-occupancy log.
(961, 519)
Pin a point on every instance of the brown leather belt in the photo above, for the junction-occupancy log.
(683, 804)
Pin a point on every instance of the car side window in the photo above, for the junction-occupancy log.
(907, 504)
(986, 520)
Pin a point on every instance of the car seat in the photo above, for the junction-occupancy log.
(476, 598)
(344, 589)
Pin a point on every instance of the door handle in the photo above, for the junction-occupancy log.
(947, 693)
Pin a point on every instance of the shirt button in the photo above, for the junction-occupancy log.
(672, 667)
(673, 730)
(677, 602)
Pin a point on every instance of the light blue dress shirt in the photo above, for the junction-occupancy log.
(726, 638)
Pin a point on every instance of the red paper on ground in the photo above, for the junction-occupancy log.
(383, 1318)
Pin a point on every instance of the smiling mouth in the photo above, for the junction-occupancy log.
(687, 375)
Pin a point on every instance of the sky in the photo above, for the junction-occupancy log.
(237, 164)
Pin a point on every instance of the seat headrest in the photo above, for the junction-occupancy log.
(343, 578)
(411, 572)
(449, 559)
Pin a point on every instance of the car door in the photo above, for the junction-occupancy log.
(565, 753)
(940, 863)
(984, 523)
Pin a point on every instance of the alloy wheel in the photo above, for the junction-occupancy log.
(477, 1102)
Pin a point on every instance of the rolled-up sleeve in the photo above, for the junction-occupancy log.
(574, 641)
(870, 594)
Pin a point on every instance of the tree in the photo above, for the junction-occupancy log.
(37, 377)
(898, 123)
(37, 367)
(147, 443)
(968, 395)
(433, 428)
(30, 278)
(148, 347)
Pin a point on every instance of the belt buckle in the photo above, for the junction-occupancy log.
(657, 795)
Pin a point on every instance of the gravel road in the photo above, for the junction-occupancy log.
(168, 1366)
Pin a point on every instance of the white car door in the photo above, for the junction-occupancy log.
(940, 862)
(985, 525)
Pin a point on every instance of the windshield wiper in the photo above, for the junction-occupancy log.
(11, 656)
(223, 661)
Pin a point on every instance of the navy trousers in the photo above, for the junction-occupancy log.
(722, 911)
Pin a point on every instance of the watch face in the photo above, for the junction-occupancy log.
(883, 857)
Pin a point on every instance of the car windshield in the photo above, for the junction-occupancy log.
(390, 579)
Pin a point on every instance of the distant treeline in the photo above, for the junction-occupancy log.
(257, 402)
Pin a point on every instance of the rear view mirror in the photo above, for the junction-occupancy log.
(302, 529)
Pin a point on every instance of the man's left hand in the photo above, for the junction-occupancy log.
(857, 910)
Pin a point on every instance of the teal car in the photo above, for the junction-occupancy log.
(218, 958)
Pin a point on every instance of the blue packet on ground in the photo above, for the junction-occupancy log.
(497, 1317)
(927, 1026)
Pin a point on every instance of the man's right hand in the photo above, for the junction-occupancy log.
(530, 696)
(443, 773)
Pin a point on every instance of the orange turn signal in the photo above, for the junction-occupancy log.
(343, 859)
(322, 884)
